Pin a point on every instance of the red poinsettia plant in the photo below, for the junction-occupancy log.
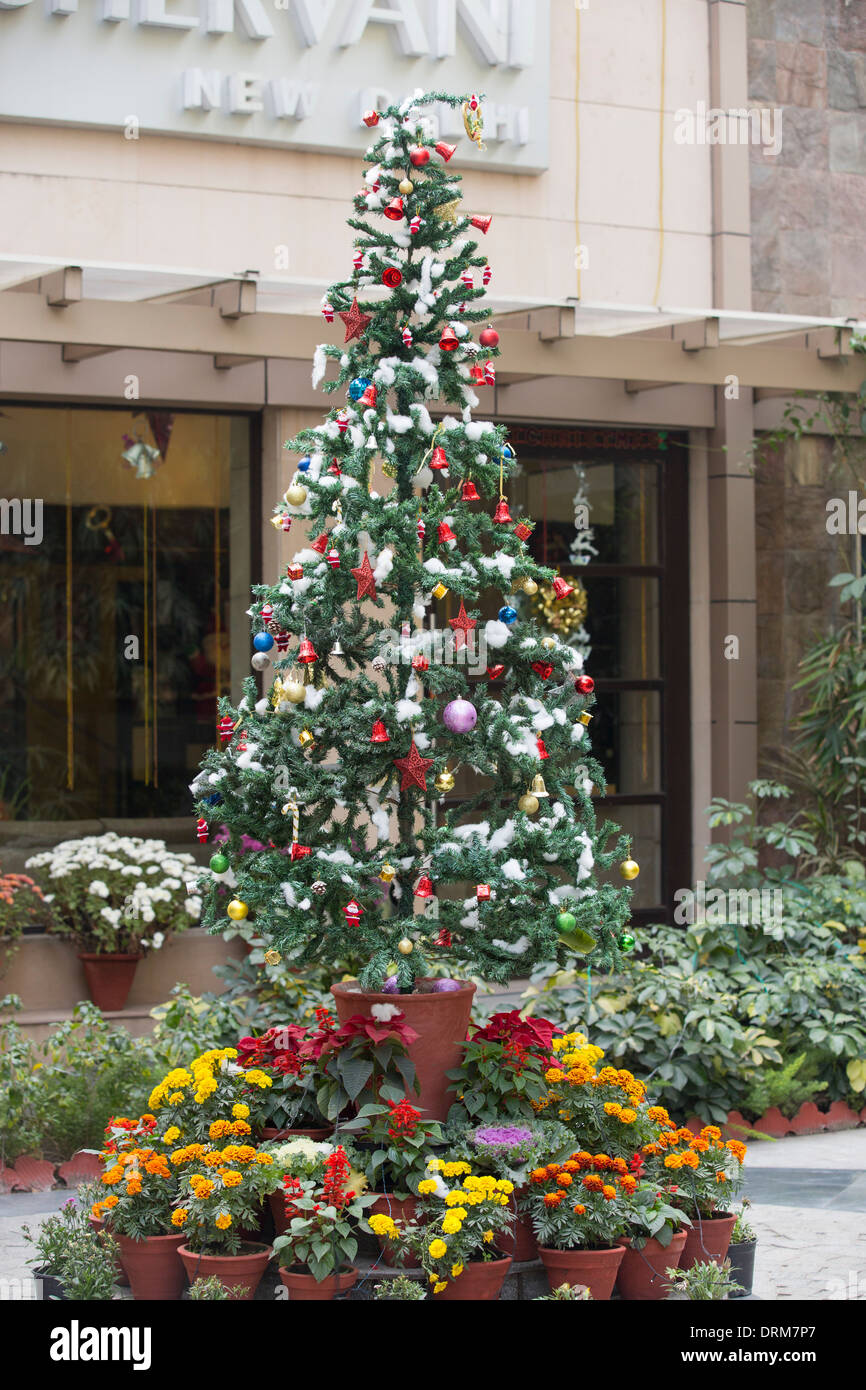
(289, 1054)
(502, 1069)
(365, 1062)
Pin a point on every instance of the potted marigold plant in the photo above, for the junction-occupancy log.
(222, 1192)
(702, 1175)
(320, 1241)
(459, 1216)
(606, 1110)
(656, 1237)
(213, 1098)
(501, 1071)
(141, 1183)
(578, 1212)
(391, 1150)
(114, 897)
(22, 905)
(289, 1054)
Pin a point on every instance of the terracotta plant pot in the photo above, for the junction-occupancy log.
(401, 1209)
(440, 1020)
(302, 1285)
(707, 1239)
(480, 1282)
(642, 1275)
(243, 1272)
(519, 1242)
(109, 978)
(153, 1267)
(597, 1269)
(122, 1276)
(317, 1135)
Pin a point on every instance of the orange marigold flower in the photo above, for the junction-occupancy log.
(699, 1145)
(721, 1176)
(628, 1183)
(602, 1161)
(608, 1192)
(570, 1166)
(552, 1170)
(564, 1179)
(593, 1183)
(583, 1158)
(711, 1132)
(552, 1199)
(737, 1148)
(674, 1161)
(580, 1209)
(619, 1165)
(689, 1160)
(538, 1175)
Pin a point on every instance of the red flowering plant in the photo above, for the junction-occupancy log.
(22, 905)
(501, 1073)
(583, 1202)
(363, 1063)
(323, 1218)
(394, 1146)
(288, 1054)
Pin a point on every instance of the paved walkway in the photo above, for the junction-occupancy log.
(808, 1210)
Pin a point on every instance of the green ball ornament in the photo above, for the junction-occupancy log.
(566, 921)
(219, 863)
(626, 942)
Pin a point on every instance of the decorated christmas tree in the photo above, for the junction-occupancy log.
(341, 771)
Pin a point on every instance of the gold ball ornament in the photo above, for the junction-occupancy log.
(529, 803)
(445, 781)
(548, 643)
(294, 692)
(530, 587)
(406, 187)
(387, 873)
(405, 947)
(296, 495)
(272, 957)
(629, 869)
(237, 910)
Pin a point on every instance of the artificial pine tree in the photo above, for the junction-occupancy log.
(341, 770)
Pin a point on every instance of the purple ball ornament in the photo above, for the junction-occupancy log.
(391, 986)
(444, 986)
(460, 716)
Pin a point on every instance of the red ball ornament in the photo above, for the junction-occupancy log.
(488, 338)
(584, 685)
(419, 156)
(392, 277)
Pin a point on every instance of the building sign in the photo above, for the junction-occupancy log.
(295, 73)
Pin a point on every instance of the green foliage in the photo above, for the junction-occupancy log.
(409, 1290)
(703, 1282)
(566, 1293)
(786, 1087)
(493, 1088)
(742, 1230)
(212, 1288)
(66, 1246)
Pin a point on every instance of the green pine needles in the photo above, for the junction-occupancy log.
(350, 747)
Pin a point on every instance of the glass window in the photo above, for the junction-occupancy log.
(115, 611)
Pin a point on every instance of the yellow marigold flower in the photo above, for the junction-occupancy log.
(241, 1112)
(487, 1237)
(455, 1197)
(427, 1186)
(111, 1201)
(674, 1161)
(133, 1188)
(223, 1221)
(176, 1098)
(456, 1271)
(437, 1248)
(213, 1158)
(737, 1148)
(171, 1135)
(689, 1160)
(433, 1278)
(257, 1078)
(657, 1114)
(442, 1284)
(179, 1217)
(435, 1165)
(711, 1132)
(451, 1224)
(382, 1225)
(232, 1178)
(264, 1159)
(505, 1186)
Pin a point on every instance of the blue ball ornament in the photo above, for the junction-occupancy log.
(508, 614)
(508, 452)
(358, 387)
(263, 641)
(304, 463)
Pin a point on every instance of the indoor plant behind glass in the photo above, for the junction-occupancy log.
(114, 897)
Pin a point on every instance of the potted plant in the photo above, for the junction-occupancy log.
(453, 1237)
(409, 1290)
(391, 1150)
(115, 897)
(704, 1281)
(288, 1055)
(139, 1185)
(320, 1242)
(653, 1245)
(214, 1098)
(566, 1293)
(578, 1212)
(365, 1062)
(72, 1261)
(741, 1253)
(702, 1175)
(512, 1151)
(502, 1068)
(219, 1198)
(22, 906)
(303, 1158)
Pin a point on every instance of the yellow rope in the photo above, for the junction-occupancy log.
(577, 158)
(70, 688)
(661, 156)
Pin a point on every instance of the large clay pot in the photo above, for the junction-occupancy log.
(708, 1239)
(242, 1272)
(597, 1269)
(440, 1020)
(302, 1285)
(109, 978)
(122, 1276)
(642, 1274)
(480, 1282)
(317, 1135)
(153, 1267)
(401, 1209)
(519, 1240)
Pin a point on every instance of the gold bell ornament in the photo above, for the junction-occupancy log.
(584, 718)
(272, 957)
(440, 590)
(306, 739)
(538, 788)
(387, 873)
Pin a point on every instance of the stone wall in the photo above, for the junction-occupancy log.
(808, 57)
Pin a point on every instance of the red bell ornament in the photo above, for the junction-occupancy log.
(320, 544)
(449, 340)
(445, 151)
(394, 210)
(542, 751)
(370, 396)
(424, 887)
(380, 733)
(371, 118)
(307, 652)
(544, 669)
(470, 492)
(444, 533)
(562, 588)
(502, 514)
(439, 459)
(584, 685)
(481, 223)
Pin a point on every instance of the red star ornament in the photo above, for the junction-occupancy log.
(364, 576)
(414, 769)
(462, 625)
(355, 320)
